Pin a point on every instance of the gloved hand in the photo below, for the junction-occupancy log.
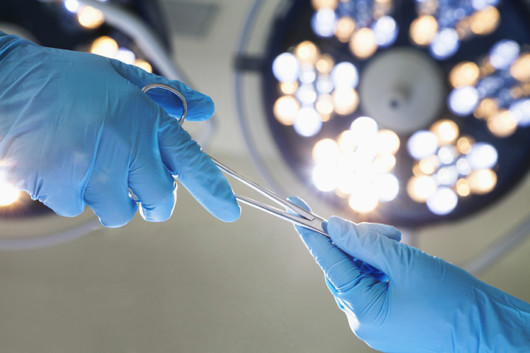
(76, 130)
(425, 305)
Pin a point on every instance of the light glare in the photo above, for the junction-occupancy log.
(8, 194)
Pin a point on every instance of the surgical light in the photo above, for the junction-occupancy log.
(403, 112)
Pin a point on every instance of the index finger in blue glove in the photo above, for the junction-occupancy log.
(197, 172)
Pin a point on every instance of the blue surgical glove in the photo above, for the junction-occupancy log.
(76, 130)
(425, 304)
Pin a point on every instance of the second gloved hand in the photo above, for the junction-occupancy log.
(424, 304)
(76, 130)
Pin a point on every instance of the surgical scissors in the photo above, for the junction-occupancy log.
(295, 214)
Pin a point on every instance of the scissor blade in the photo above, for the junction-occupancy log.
(267, 193)
(314, 224)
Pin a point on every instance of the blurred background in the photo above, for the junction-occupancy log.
(411, 113)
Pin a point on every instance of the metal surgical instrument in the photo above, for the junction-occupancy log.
(295, 214)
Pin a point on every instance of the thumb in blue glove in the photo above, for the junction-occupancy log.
(425, 304)
(76, 130)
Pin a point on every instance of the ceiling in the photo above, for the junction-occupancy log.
(195, 284)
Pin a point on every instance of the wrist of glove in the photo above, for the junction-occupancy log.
(424, 304)
(76, 130)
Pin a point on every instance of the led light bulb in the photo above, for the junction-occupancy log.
(446, 131)
(326, 150)
(482, 181)
(345, 101)
(285, 109)
(89, 17)
(485, 21)
(422, 144)
(324, 22)
(502, 124)
(465, 73)
(307, 53)
(363, 44)
(423, 29)
(104, 46)
(286, 67)
(420, 188)
(344, 29)
(144, 65)
(307, 122)
(443, 201)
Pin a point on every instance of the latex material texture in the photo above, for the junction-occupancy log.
(424, 304)
(76, 130)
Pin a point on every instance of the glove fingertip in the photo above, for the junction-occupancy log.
(299, 202)
(230, 213)
(200, 107)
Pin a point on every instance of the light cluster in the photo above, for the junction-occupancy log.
(358, 165)
(449, 166)
(443, 25)
(496, 91)
(364, 24)
(313, 88)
